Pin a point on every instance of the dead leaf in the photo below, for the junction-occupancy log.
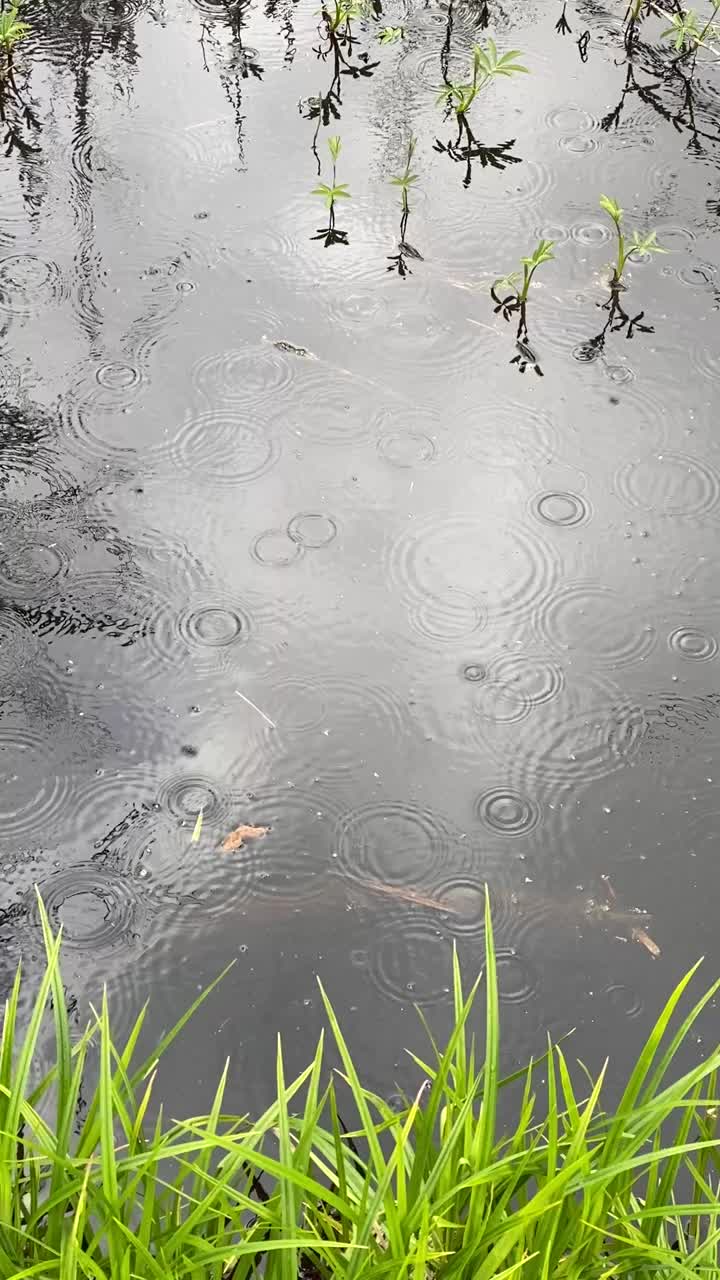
(195, 837)
(237, 838)
(639, 935)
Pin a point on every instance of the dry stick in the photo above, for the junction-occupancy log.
(260, 713)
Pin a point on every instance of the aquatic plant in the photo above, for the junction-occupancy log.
(330, 193)
(339, 14)
(519, 291)
(473, 1174)
(391, 35)
(458, 98)
(486, 65)
(16, 114)
(12, 28)
(638, 246)
(405, 181)
(619, 319)
(687, 31)
(510, 294)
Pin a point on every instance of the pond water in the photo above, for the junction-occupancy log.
(300, 536)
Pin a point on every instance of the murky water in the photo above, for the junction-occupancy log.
(295, 536)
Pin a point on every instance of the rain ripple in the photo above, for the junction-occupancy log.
(346, 721)
(394, 843)
(533, 677)
(592, 620)
(510, 434)
(37, 789)
(31, 567)
(669, 484)
(507, 813)
(29, 283)
(577, 743)
(99, 910)
(409, 958)
(328, 406)
(243, 378)
(221, 448)
(693, 644)
(505, 565)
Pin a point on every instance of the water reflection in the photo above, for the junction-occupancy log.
(291, 547)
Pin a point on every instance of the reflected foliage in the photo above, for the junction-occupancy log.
(618, 321)
(337, 46)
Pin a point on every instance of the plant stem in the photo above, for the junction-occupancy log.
(622, 256)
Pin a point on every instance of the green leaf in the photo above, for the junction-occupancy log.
(646, 244)
(391, 35)
(610, 206)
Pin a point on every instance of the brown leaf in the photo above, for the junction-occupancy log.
(237, 838)
(639, 935)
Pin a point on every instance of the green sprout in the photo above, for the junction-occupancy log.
(391, 35)
(406, 179)
(510, 295)
(542, 253)
(400, 261)
(330, 193)
(12, 30)
(342, 12)
(687, 32)
(626, 251)
(458, 98)
(486, 64)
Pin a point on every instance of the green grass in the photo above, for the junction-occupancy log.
(438, 1188)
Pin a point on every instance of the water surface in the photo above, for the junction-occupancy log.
(289, 535)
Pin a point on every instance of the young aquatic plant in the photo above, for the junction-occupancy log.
(486, 65)
(12, 29)
(405, 181)
(338, 15)
(519, 288)
(391, 35)
(626, 251)
(688, 32)
(16, 114)
(514, 302)
(459, 97)
(330, 193)
(619, 319)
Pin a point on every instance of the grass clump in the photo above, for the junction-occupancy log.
(438, 1188)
